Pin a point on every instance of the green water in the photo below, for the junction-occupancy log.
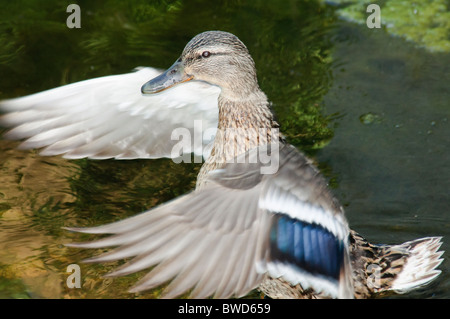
(371, 108)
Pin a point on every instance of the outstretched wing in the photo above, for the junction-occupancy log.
(108, 117)
(223, 239)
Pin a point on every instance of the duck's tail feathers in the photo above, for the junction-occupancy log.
(393, 268)
(423, 257)
(402, 268)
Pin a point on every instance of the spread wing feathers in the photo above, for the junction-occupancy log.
(223, 239)
(202, 240)
(108, 117)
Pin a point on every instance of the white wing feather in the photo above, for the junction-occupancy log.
(108, 117)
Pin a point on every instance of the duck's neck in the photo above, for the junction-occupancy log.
(244, 123)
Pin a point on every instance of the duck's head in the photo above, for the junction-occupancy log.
(216, 57)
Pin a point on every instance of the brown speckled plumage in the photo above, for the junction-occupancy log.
(241, 127)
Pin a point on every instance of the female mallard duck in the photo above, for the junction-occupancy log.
(246, 225)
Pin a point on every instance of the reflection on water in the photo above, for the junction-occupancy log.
(35, 197)
(40, 195)
(388, 129)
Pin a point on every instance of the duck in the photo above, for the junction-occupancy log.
(261, 215)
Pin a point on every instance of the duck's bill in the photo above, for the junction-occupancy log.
(173, 76)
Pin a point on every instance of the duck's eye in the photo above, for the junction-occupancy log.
(206, 54)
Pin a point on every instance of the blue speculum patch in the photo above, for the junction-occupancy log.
(308, 246)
